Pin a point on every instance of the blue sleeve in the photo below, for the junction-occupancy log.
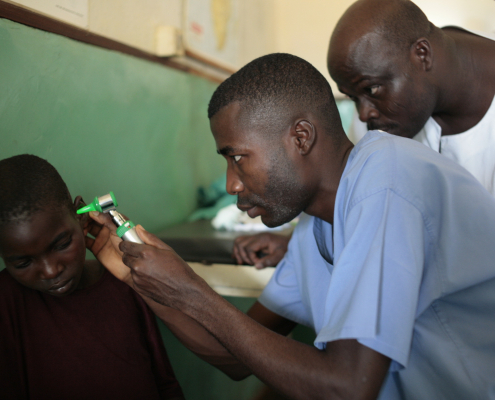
(282, 295)
(374, 290)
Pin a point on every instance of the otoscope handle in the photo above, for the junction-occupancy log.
(128, 232)
(125, 228)
(107, 204)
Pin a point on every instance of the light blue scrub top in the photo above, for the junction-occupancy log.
(408, 270)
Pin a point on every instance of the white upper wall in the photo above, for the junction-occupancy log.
(475, 14)
(259, 35)
(133, 22)
(300, 27)
(304, 27)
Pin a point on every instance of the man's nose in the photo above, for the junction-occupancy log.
(234, 184)
(50, 268)
(367, 111)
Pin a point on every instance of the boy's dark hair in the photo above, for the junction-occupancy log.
(28, 184)
(278, 82)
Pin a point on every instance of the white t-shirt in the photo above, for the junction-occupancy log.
(474, 149)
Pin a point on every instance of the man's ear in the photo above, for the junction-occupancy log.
(82, 218)
(422, 54)
(304, 136)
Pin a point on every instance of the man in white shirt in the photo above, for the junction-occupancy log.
(413, 79)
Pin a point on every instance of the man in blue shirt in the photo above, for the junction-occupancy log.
(399, 271)
(393, 265)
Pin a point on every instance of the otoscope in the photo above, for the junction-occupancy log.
(108, 204)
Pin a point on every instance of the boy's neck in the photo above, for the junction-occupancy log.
(93, 271)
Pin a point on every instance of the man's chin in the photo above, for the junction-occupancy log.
(270, 224)
(392, 129)
(402, 133)
(274, 222)
(395, 129)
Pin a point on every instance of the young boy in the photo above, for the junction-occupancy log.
(68, 328)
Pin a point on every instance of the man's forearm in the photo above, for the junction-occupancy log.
(296, 369)
(345, 369)
(197, 339)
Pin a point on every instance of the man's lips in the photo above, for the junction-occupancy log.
(385, 128)
(244, 207)
(252, 211)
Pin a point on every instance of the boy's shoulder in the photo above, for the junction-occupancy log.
(11, 291)
(7, 282)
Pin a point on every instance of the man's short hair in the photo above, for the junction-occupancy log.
(277, 83)
(29, 184)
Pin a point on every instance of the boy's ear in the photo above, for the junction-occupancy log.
(82, 218)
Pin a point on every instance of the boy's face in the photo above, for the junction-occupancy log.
(46, 252)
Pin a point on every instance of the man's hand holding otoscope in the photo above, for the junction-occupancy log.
(136, 256)
(165, 281)
(105, 245)
(108, 204)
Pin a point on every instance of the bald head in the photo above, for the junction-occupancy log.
(399, 22)
(380, 55)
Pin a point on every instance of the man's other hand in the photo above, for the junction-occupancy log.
(261, 250)
(159, 273)
(105, 245)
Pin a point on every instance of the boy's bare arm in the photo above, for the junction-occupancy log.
(193, 335)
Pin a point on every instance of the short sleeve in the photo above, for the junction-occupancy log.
(373, 293)
(282, 294)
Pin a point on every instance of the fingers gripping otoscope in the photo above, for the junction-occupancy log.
(108, 204)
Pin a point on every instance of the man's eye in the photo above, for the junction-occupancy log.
(373, 89)
(237, 158)
(354, 99)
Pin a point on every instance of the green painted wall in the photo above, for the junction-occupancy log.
(199, 380)
(107, 121)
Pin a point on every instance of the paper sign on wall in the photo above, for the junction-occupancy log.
(212, 31)
(74, 12)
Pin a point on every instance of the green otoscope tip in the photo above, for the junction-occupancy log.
(94, 206)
